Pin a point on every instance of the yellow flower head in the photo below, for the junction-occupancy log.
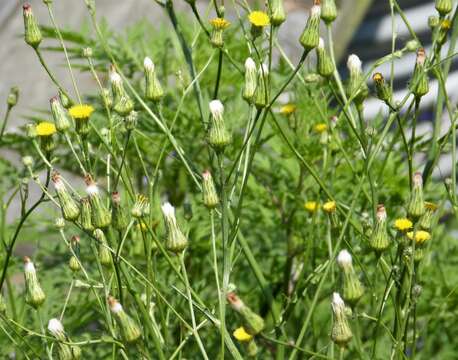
(320, 128)
(241, 335)
(403, 224)
(288, 109)
(45, 129)
(446, 24)
(311, 206)
(430, 206)
(259, 18)
(421, 236)
(219, 23)
(142, 226)
(81, 112)
(329, 206)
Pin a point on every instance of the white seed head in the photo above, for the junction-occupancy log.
(354, 63)
(315, 11)
(115, 78)
(216, 108)
(148, 64)
(29, 267)
(344, 258)
(116, 307)
(168, 210)
(321, 43)
(250, 65)
(337, 302)
(55, 327)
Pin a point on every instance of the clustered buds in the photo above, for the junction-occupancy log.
(382, 89)
(249, 88)
(32, 33)
(101, 217)
(176, 241)
(218, 136)
(65, 351)
(324, 65)
(341, 333)
(352, 288)
(210, 197)
(153, 88)
(129, 328)
(357, 87)
(416, 205)
(419, 84)
(69, 206)
(262, 89)
(35, 295)
(252, 322)
(122, 103)
(379, 240)
(311, 34)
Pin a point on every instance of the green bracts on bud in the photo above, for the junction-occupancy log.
(328, 11)
(416, 205)
(278, 15)
(106, 97)
(32, 33)
(218, 135)
(252, 322)
(101, 217)
(210, 197)
(122, 103)
(13, 97)
(419, 84)
(104, 253)
(311, 34)
(341, 333)
(251, 75)
(60, 116)
(35, 295)
(74, 264)
(118, 213)
(379, 239)
(382, 89)
(427, 218)
(86, 215)
(69, 206)
(153, 89)
(261, 98)
(352, 287)
(324, 65)
(141, 207)
(129, 329)
(65, 351)
(444, 29)
(444, 7)
(64, 100)
(175, 241)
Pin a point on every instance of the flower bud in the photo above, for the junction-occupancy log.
(27, 161)
(416, 205)
(311, 34)
(278, 15)
(59, 223)
(69, 206)
(426, 219)
(433, 22)
(324, 66)
(419, 85)
(341, 333)
(328, 11)
(13, 97)
(118, 213)
(250, 80)
(122, 103)
(34, 293)
(444, 29)
(32, 33)
(379, 240)
(104, 252)
(2, 305)
(141, 206)
(129, 328)
(262, 90)
(101, 217)
(412, 45)
(153, 89)
(218, 26)
(130, 121)
(176, 241)
(74, 264)
(382, 89)
(45, 131)
(253, 323)
(86, 214)
(210, 197)
(218, 136)
(64, 100)
(65, 351)
(352, 288)
(357, 87)
(87, 52)
(444, 7)
(31, 131)
(107, 98)
(61, 118)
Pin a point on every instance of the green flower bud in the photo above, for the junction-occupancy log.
(87, 52)
(27, 161)
(64, 100)
(210, 197)
(218, 136)
(324, 66)
(379, 240)
(218, 26)
(250, 80)
(419, 85)
(252, 348)
(444, 29)
(444, 7)
(13, 97)
(104, 252)
(382, 89)
(101, 217)
(130, 121)
(31, 131)
(262, 90)
(328, 11)
(253, 323)
(118, 213)
(412, 45)
(59, 223)
(74, 264)
(427, 218)
(141, 206)
(65, 351)
(153, 89)
(311, 34)
(129, 328)
(35, 295)
(416, 205)
(69, 206)
(176, 241)
(341, 333)
(357, 87)
(61, 118)
(278, 15)
(86, 214)
(32, 33)
(122, 102)
(107, 98)
(352, 288)
(433, 22)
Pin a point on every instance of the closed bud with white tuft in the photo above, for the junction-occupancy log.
(250, 80)
(35, 295)
(352, 288)
(218, 135)
(311, 34)
(122, 103)
(262, 90)
(341, 333)
(153, 88)
(176, 241)
(129, 328)
(69, 206)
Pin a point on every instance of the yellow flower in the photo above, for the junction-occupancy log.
(420, 236)
(311, 206)
(320, 128)
(82, 112)
(288, 109)
(329, 206)
(241, 335)
(45, 129)
(403, 224)
(219, 23)
(259, 18)
(430, 206)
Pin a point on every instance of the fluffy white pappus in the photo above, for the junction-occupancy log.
(263, 70)
(92, 189)
(337, 301)
(115, 77)
(116, 307)
(216, 108)
(148, 64)
(315, 10)
(250, 65)
(168, 210)
(321, 43)
(58, 183)
(55, 327)
(344, 258)
(418, 179)
(354, 63)
(29, 267)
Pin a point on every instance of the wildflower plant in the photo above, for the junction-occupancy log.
(273, 168)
